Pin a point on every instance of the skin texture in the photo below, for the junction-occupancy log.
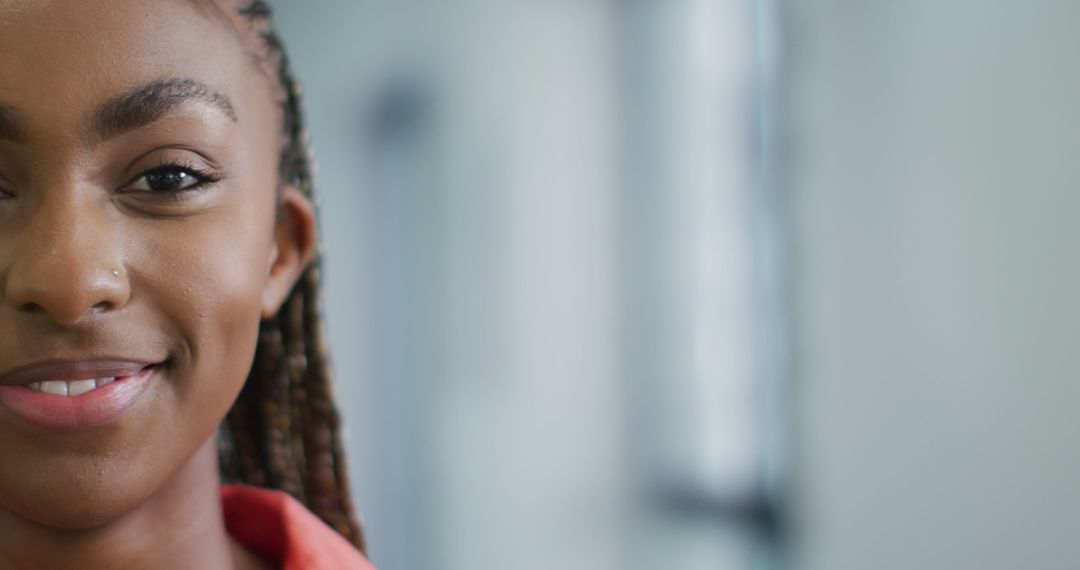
(92, 265)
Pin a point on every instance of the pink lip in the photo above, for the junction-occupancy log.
(67, 370)
(93, 409)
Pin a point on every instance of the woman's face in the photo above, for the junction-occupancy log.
(138, 241)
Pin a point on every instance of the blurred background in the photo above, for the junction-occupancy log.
(702, 284)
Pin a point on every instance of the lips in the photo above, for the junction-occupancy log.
(64, 395)
(72, 370)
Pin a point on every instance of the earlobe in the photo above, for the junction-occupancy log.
(293, 247)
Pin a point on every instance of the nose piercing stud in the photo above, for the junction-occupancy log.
(116, 273)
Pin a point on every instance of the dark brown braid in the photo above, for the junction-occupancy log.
(284, 431)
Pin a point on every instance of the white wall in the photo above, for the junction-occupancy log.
(556, 155)
(473, 302)
(933, 184)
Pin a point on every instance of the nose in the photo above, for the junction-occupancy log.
(66, 263)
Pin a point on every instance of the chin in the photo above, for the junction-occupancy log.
(74, 516)
(81, 501)
(82, 496)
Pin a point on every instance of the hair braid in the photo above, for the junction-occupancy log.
(284, 430)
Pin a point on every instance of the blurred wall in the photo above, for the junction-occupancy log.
(933, 192)
(538, 277)
(541, 308)
(467, 162)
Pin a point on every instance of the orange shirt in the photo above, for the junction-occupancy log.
(279, 529)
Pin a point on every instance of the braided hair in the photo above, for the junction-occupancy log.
(284, 431)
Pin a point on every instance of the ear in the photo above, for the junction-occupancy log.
(294, 244)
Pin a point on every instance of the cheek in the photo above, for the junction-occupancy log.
(205, 278)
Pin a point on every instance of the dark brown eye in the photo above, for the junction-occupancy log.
(169, 178)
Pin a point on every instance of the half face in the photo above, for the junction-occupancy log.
(138, 168)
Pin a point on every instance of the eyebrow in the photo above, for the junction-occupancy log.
(128, 111)
(146, 104)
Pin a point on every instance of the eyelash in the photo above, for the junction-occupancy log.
(202, 178)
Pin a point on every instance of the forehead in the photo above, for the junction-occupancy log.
(60, 57)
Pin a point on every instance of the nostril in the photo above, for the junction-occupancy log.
(32, 308)
(66, 294)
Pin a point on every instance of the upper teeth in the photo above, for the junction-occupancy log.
(72, 388)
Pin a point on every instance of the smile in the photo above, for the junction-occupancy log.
(66, 395)
(70, 389)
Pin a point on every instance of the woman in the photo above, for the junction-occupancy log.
(157, 237)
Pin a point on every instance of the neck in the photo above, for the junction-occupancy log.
(179, 527)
